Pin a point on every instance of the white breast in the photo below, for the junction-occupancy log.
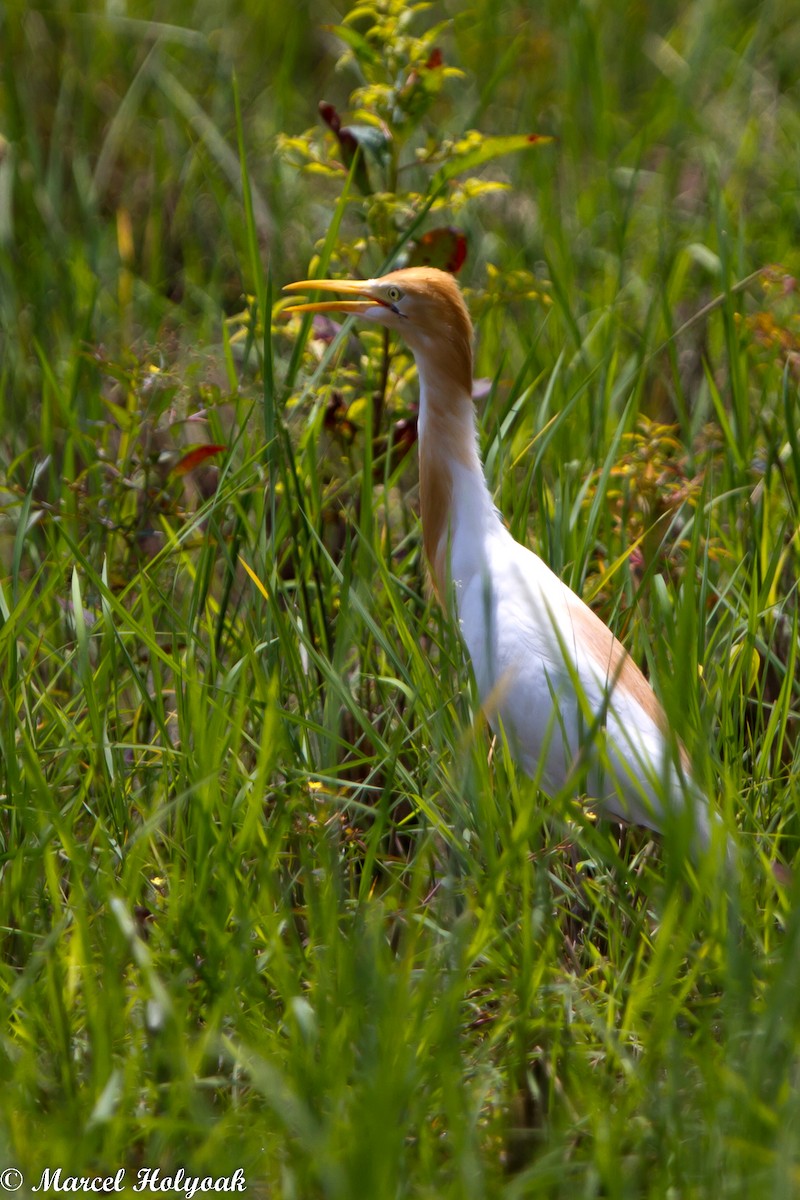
(556, 703)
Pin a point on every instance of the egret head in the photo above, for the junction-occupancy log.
(422, 304)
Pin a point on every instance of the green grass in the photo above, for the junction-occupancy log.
(269, 898)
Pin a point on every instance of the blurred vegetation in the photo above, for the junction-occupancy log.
(269, 897)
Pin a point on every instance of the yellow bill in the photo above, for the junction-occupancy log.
(345, 288)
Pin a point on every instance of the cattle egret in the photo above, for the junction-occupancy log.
(567, 695)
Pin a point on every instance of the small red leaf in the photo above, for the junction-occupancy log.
(435, 59)
(330, 116)
(404, 435)
(194, 457)
(445, 248)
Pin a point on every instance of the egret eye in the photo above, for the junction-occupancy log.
(394, 294)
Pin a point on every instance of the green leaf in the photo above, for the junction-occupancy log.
(126, 420)
(372, 140)
(475, 150)
(356, 42)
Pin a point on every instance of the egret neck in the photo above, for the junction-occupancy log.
(456, 507)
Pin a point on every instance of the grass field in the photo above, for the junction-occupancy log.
(270, 899)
